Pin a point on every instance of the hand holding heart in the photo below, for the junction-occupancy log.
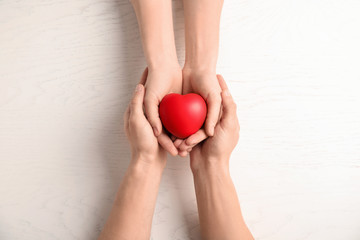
(157, 86)
(160, 82)
(215, 151)
(182, 115)
(144, 145)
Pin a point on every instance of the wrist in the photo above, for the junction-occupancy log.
(212, 174)
(201, 58)
(146, 163)
(198, 71)
(163, 64)
(212, 166)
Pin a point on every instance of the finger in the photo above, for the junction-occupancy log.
(178, 142)
(197, 137)
(152, 113)
(228, 104)
(144, 77)
(183, 153)
(183, 147)
(213, 102)
(167, 144)
(192, 141)
(136, 99)
(136, 104)
(222, 82)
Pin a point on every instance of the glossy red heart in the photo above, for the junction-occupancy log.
(182, 115)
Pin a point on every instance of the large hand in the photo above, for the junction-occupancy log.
(144, 145)
(159, 83)
(217, 149)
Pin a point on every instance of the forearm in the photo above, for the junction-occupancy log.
(219, 210)
(156, 29)
(202, 25)
(133, 209)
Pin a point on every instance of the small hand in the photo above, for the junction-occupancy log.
(161, 82)
(206, 84)
(144, 145)
(217, 149)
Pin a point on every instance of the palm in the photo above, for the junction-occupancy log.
(160, 83)
(211, 146)
(203, 84)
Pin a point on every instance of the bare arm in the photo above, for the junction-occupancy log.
(156, 28)
(134, 204)
(219, 209)
(202, 25)
(135, 201)
(165, 76)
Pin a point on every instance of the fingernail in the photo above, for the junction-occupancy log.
(227, 92)
(189, 149)
(138, 88)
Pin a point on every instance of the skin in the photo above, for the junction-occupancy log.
(202, 26)
(164, 72)
(165, 75)
(199, 73)
(135, 201)
(219, 210)
(218, 206)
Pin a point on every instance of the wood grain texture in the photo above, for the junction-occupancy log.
(66, 72)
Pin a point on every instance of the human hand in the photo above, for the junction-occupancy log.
(161, 82)
(144, 145)
(216, 150)
(204, 83)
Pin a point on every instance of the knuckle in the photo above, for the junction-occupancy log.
(183, 147)
(133, 104)
(132, 120)
(215, 97)
(232, 106)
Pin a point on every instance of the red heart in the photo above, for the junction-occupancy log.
(182, 115)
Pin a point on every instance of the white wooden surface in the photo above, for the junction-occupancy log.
(66, 72)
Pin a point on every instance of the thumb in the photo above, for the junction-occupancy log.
(152, 114)
(214, 104)
(229, 106)
(136, 104)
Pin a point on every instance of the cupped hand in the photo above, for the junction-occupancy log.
(161, 82)
(217, 149)
(206, 84)
(144, 145)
